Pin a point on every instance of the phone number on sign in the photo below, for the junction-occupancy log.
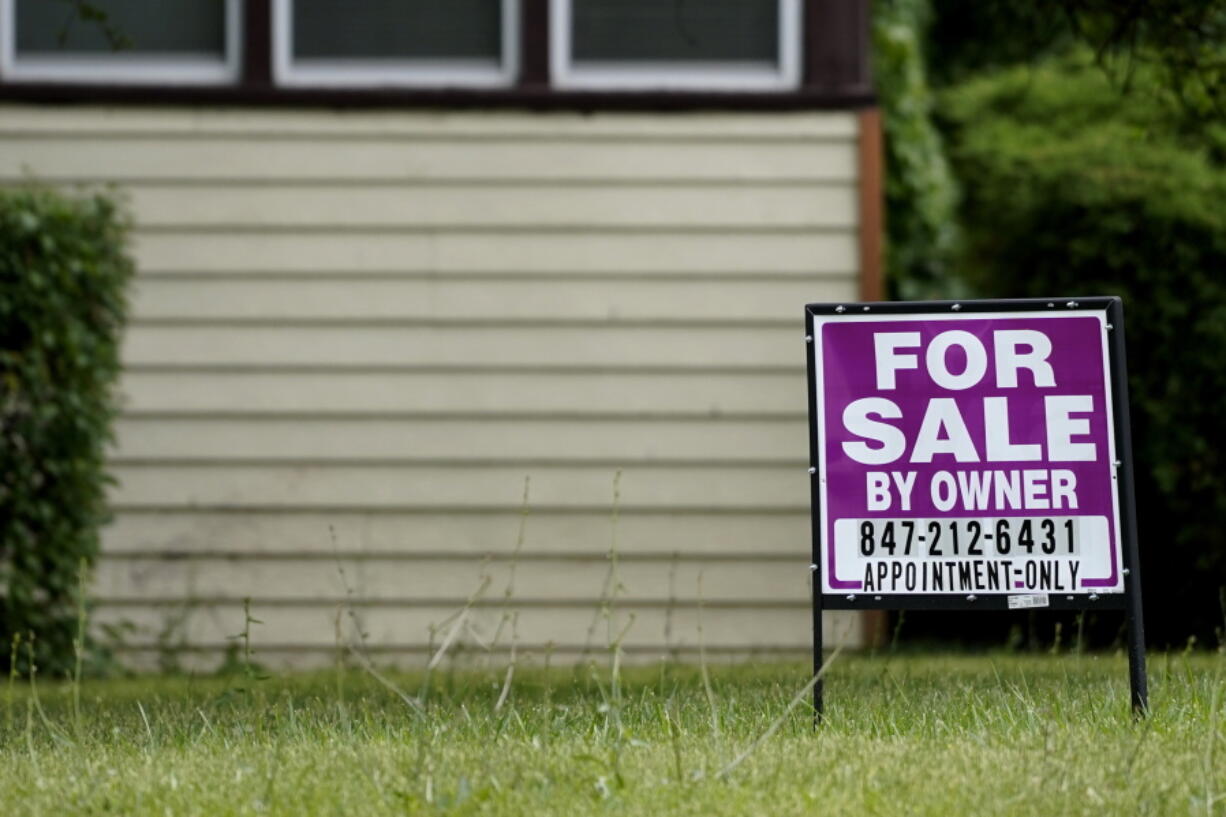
(953, 538)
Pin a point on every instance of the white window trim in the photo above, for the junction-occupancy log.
(404, 73)
(121, 67)
(675, 76)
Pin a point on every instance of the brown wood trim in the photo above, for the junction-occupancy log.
(523, 98)
(534, 43)
(872, 214)
(257, 44)
(836, 46)
(875, 630)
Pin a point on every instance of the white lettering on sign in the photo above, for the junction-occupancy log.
(1007, 346)
(996, 426)
(885, 349)
(1061, 427)
(857, 420)
(1008, 359)
(1028, 489)
(880, 497)
(937, 359)
(943, 430)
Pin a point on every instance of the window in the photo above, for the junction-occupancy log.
(184, 42)
(676, 44)
(396, 42)
(515, 53)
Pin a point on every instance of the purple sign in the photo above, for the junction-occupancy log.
(966, 453)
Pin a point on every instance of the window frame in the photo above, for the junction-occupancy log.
(377, 72)
(676, 76)
(120, 68)
(835, 74)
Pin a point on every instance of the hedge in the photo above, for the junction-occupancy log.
(63, 277)
(1073, 186)
(920, 192)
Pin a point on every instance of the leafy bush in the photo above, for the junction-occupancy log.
(920, 192)
(1074, 187)
(63, 275)
(968, 37)
(1181, 44)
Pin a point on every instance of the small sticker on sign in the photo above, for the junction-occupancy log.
(1027, 602)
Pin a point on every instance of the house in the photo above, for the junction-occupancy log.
(476, 307)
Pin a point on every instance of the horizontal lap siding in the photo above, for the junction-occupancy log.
(428, 392)
(442, 579)
(322, 440)
(566, 250)
(469, 208)
(422, 485)
(429, 159)
(356, 336)
(646, 298)
(359, 342)
(326, 532)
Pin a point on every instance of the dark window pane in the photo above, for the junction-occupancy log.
(675, 30)
(183, 27)
(398, 29)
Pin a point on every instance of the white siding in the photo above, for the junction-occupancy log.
(355, 335)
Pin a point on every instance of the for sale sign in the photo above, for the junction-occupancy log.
(972, 455)
(965, 450)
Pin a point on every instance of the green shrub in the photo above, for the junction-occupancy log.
(920, 192)
(63, 276)
(1074, 187)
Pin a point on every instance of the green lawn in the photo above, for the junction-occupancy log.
(939, 735)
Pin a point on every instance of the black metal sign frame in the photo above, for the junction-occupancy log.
(1129, 601)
